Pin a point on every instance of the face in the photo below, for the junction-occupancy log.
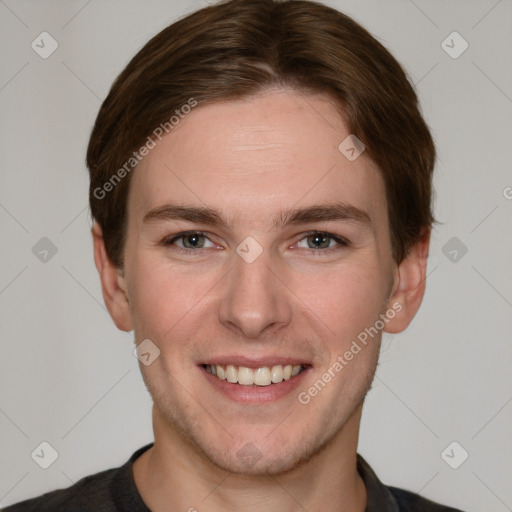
(255, 248)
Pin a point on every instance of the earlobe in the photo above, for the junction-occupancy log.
(113, 283)
(409, 287)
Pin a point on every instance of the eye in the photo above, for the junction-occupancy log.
(189, 241)
(317, 241)
(321, 240)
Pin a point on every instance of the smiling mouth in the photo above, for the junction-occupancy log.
(262, 376)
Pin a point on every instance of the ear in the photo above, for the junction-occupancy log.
(113, 284)
(409, 286)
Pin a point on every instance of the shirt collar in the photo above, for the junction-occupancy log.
(379, 498)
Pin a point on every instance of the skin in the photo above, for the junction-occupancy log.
(251, 159)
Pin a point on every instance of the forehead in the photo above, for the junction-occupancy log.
(257, 156)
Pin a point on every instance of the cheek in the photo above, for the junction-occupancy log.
(163, 299)
(346, 299)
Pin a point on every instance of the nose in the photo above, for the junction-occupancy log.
(254, 300)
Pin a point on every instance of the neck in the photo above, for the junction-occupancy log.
(172, 475)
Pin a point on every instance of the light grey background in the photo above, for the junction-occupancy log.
(69, 377)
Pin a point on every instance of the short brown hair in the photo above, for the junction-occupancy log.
(240, 47)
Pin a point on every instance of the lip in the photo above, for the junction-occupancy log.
(255, 362)
(254, 394)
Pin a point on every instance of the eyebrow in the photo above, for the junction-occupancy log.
(307, 215)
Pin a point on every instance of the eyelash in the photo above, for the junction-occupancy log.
(342, 242)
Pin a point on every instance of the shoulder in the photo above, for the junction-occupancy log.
(92, 492)
(408, 501)
(107, 491)
(381, 497)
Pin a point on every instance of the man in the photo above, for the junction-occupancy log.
(261, 190)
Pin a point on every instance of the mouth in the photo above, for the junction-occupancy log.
(260, 376)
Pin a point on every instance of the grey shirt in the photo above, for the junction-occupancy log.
(114, 490)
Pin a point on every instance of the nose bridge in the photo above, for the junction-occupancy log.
(253, 298)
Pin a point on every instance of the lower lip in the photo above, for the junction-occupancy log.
(254, 394)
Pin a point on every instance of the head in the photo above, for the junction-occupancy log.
(288, 144)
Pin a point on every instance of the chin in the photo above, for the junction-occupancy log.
(264, 453)
(249, 460)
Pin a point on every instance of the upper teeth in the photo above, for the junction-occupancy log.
(263, 376)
